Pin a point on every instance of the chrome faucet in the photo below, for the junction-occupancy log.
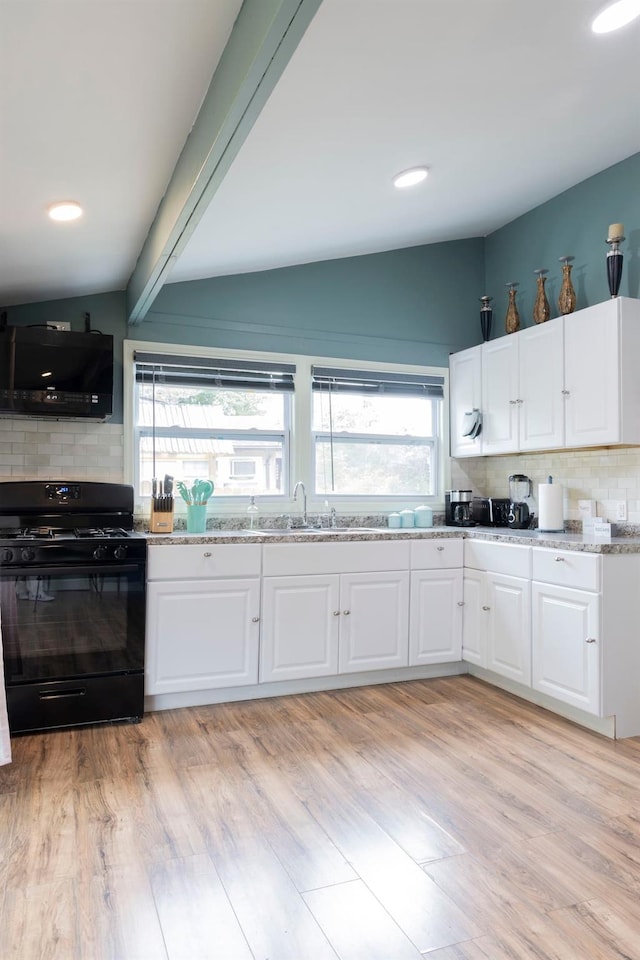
(304, 501)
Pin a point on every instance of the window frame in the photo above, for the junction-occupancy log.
(299, 441)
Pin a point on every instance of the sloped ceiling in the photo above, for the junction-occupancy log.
(508, 104)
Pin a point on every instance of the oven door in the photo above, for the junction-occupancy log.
(73, 643)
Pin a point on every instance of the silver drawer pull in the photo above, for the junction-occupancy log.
(336, 613)
(486, 608)
(207, 554)
(591, 640)
(255, 619)
(559, 559)
(440, 549)
(461, 603)
(346, 612)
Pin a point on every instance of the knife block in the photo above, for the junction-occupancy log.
(161, 520)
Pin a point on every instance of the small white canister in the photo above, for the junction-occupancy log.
(423, 516)
(407, 518)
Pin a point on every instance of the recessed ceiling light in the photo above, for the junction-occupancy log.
(409, 178)
(616, 15)
(65, 210)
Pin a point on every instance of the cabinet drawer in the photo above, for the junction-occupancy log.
(508, 558)
(290, 559)
(436, 554)
(567, 568)
(204, 560)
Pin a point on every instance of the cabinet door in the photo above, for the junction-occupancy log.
(500, 395)
(435, 616)
(374, 621)
(591, 348)
(509, 626)
(202, 634)
(566, 645)
(465, 395)
(300, 627)
(474, 618)
(541, 368)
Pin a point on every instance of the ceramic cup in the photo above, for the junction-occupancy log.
(196, 517)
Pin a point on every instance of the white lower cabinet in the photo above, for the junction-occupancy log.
(436, 616)
(509, 626)
(203, 617)
(566, 646)
(374, 621)
(320, 625)
(300, 627)
(496, 630)
(204, 634)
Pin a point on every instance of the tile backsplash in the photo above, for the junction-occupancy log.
(59, 449)
(605, 474)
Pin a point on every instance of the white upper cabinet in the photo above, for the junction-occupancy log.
(465, 393)
(500, 395)
(540, 394)
(522, 377)
(602, 352)
(570, 382)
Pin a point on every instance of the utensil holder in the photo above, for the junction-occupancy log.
(196, 517)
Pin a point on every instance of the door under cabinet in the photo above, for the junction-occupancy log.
(202, 634)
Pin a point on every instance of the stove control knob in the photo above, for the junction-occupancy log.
(120, 553)
(6, 556)
(27, 554)
(99, 553)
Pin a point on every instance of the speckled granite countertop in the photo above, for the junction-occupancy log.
(557, 541)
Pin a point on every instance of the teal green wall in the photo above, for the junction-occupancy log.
(414, 305)
(576, 223)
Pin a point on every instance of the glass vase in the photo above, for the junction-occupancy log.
(541, 308)
(567, 295)
(512, 319)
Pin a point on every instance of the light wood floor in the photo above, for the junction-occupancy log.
(440, 818)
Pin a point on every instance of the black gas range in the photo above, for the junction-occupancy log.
(72, 602)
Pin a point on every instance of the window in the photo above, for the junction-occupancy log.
(375, 434)
(369, 438)
(214, 419)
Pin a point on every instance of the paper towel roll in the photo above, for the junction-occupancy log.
(550, 512)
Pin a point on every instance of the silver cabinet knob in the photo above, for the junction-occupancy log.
(207, 553)
(486, 608)
(255, 619)
(346, 612)
(513, 402)
(591, 640)
(461, 603)
(440, 549)
(336, 613)
(566, 393)
(559, 559)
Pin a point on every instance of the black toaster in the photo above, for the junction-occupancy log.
(490, 511)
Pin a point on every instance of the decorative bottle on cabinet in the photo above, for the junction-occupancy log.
(541, 309)
(567, 295)
(512, 319)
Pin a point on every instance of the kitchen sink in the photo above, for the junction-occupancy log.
(314, 531)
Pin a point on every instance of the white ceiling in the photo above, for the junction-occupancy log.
(508, 102)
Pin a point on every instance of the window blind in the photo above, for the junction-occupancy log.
(339, 380)
(207, 372)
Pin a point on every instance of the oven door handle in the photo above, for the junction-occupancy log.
(57, 570)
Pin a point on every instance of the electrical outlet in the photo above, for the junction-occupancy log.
(620, 510)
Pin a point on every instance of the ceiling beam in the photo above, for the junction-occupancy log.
(263, 40)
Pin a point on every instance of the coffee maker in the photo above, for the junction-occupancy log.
(457, 508)
(522, 506)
